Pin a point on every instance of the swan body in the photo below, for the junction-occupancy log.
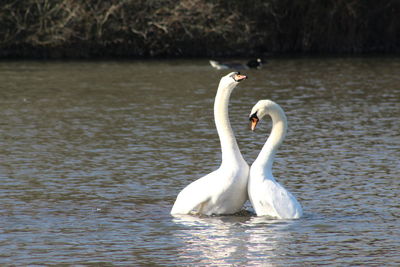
(223, 191)
(268, 197)
(251, 64)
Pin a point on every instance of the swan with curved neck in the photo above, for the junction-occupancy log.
(223, 191)
(268, 197)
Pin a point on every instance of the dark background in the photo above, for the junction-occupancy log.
(196, 28)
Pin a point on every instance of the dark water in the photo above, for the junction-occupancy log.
(92, 156)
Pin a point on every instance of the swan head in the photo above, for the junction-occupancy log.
(261, 109)
(232, 79)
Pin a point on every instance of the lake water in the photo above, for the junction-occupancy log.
(93, 155)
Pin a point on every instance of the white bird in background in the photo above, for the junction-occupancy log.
(223, 191)
(268, 197)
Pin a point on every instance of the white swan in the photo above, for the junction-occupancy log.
(223, 191)
(267, 196)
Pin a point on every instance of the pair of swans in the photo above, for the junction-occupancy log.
(225, 190)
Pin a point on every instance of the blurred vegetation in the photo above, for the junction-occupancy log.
(135, 28)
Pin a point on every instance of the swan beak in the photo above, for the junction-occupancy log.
(239, 77)
(253, 121)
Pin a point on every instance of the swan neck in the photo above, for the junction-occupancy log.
(229, 147)
(267, 155)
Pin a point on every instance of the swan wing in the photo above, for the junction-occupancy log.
(194, 196)
(285, 203)
(278, 202)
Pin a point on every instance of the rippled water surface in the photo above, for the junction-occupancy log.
(93, 154)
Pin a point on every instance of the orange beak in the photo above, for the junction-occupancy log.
(253, 122)
(240, 77)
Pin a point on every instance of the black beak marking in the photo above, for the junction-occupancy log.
(253, 116)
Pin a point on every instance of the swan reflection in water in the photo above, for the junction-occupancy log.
(237, 240)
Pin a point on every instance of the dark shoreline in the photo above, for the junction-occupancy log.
(67, 29)
(267, 56)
